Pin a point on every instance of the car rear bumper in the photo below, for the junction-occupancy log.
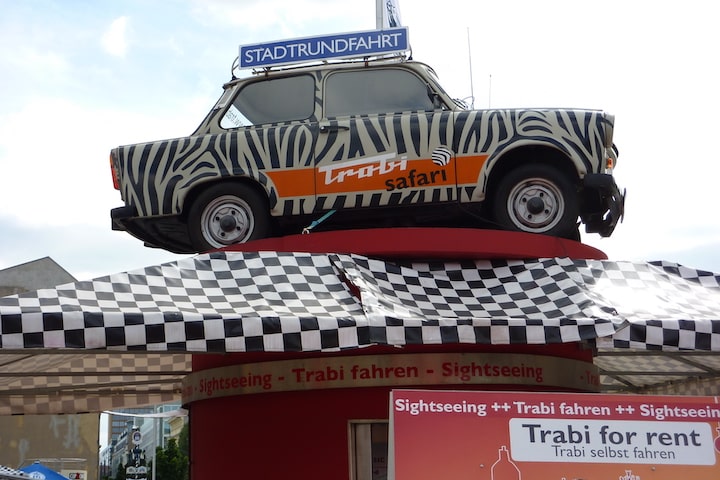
(603, 204)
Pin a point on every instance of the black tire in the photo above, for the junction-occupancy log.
(227, 213)
(537, 198)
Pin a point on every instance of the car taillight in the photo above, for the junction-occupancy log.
(113, 170)
(609, 163)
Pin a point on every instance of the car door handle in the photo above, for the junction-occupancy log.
(325, 128)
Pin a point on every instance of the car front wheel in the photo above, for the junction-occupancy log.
(537, 199)
(225, 214)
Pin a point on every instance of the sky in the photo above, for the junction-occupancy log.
(81, 77)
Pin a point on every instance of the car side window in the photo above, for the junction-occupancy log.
(272, 101)
(375, 91)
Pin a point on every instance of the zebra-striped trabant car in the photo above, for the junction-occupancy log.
(370, 140)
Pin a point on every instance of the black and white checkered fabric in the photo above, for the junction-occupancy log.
(269, 301)
(7, 473)
(666, 306)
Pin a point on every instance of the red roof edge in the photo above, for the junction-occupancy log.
(427, 244)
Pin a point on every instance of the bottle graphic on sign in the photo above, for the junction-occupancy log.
(504, 468)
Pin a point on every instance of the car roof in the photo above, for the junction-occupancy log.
(351, 64)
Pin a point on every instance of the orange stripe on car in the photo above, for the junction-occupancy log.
(293, 182)
(468, 168)
(384, 172)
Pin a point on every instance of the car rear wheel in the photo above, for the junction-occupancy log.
(225, 214)
(537, 199)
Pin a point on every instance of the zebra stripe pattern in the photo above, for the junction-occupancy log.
(157, 177)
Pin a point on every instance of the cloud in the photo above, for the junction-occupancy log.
(63, 176)
(114, 39)
(71, 104)
(288, 16)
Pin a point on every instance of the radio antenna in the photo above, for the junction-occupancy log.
(489, 90)
(472, 91)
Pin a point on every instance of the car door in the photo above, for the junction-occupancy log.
(272, 125)
(382, 142)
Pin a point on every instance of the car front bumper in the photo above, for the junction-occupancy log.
(603, 204)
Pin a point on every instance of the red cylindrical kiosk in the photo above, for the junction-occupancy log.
(324, 415)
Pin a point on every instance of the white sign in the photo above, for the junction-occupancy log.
(602, 441)
(74, 474)
(343, 45)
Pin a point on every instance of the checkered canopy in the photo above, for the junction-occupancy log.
(269, 301)
(7, 473)
(125, 340)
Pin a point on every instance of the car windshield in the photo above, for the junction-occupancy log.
(274, 100)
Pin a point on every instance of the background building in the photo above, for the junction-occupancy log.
(154, 430)
(71, 442)
(26, 277)
(117, 424)
(61, 442)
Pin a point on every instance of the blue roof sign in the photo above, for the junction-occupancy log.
(308, 49)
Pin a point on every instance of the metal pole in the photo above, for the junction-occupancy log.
(154, 445)
(490, 91)
(472, 88)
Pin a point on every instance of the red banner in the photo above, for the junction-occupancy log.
(553, 436)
